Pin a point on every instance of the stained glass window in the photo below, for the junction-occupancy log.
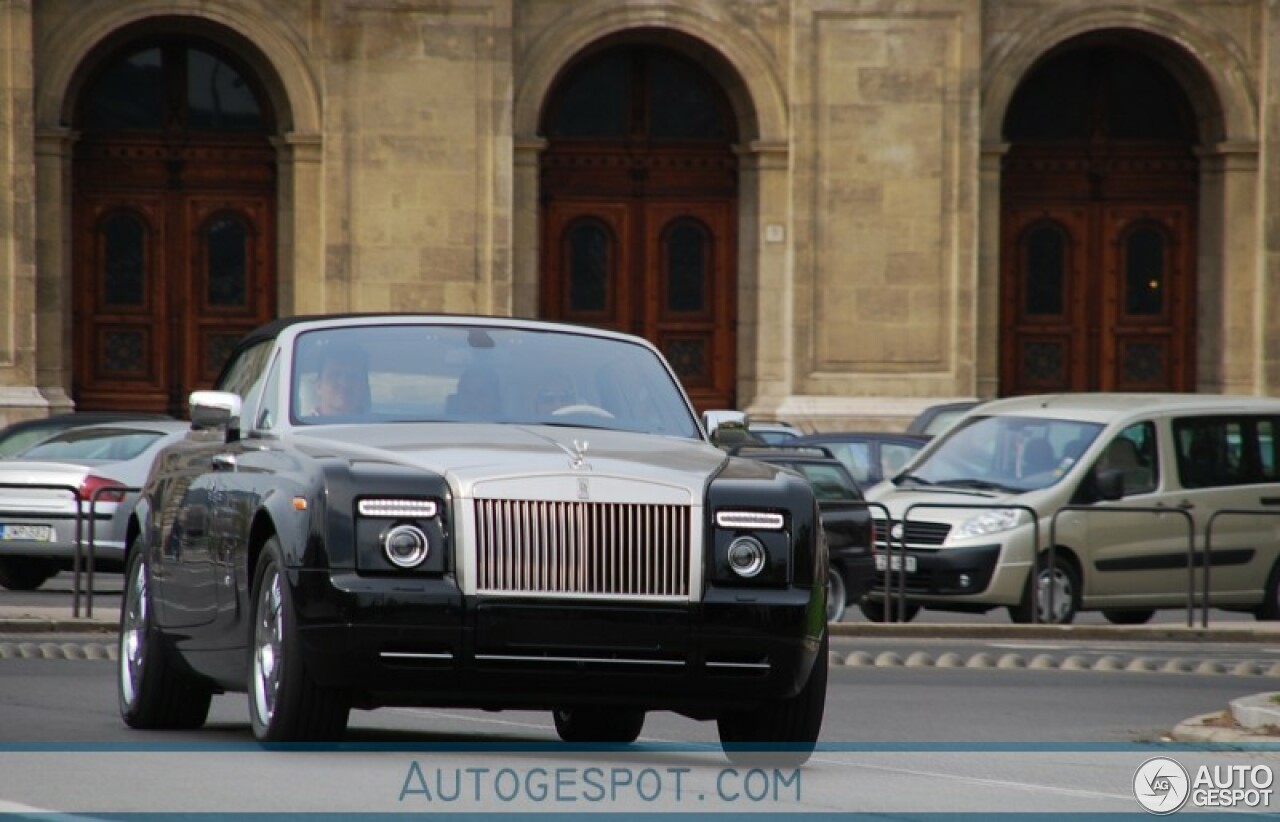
(124, 260)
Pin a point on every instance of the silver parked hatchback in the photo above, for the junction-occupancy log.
(93, 467)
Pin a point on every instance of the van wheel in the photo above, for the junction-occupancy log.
(1066, 594)
(1133, 617)
(1270, 607)
(875, 610)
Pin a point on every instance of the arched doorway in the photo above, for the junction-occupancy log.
(174, 222)
(1099, 193)
(639, 200)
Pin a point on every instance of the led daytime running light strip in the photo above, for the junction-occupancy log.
(749, 519)
(397, 508)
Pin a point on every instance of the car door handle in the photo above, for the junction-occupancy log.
(224, 462)
(1185, 505)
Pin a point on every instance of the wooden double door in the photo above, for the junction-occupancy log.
(659, 268)
(1098, 296)
(173, 263)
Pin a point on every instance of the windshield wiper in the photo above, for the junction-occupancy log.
(977, 484)
(912, 478)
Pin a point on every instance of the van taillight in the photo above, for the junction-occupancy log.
(107, 490)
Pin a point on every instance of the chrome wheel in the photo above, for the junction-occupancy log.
(268, 647)
(133, 635)
(836, 594)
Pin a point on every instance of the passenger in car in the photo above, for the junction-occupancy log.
(342, 384)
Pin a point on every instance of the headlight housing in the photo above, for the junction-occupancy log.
(988, 522)
(752, 548)
(400, 535)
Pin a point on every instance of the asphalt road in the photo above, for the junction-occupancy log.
(895, 740)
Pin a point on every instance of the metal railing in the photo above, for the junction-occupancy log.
(79, 559)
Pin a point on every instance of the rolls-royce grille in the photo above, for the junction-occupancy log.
(568, 548)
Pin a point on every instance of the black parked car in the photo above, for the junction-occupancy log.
(473, 512)
(846, 521)
(870, 456)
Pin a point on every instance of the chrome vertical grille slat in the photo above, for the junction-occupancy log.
(575, 548)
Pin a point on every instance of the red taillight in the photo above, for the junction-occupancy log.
(101, 489)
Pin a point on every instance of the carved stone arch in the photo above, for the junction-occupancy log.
(276, 58)
(1212, 71)
(1214, 74)
(750, 76)
(736, 59)
(68, 54)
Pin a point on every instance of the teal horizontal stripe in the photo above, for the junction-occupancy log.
(613, 817)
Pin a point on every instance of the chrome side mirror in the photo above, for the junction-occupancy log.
(216, 410)
(726, 428)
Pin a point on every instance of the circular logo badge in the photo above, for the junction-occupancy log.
(1161, 785)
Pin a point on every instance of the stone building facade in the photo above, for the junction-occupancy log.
(830, 211)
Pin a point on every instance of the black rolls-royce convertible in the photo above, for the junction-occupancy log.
(470, 512)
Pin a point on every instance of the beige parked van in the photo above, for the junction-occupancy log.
(967, 501)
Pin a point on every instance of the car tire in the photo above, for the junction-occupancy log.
(26, 573)
(620, 726)
(1066, 595)
(154, 691)
(781, 732)
(876, 611)
(285, 704)
(837, 593)
(1137, 616)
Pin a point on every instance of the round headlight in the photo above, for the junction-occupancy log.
(747, 556)
(406, 546)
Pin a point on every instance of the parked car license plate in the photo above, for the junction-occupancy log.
(26, 533)
(882, 562)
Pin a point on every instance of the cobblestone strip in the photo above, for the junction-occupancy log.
(1068, 662)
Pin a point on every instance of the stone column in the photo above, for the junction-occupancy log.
(54, 148)
(987, 303)
(526, 243)
(766, 298)
(18, 396)
(300, 237)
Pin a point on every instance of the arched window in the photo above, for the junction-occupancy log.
(591, 254)
(226, 246)
(1044, 274)
(1144, 272)
(687, 251)
(638, 91)
(173, 86)
(122, 238)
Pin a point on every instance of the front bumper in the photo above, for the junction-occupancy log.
(422, 643)
(945, 572)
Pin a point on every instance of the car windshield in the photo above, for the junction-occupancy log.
(1003, 453)
(115, 444)
(830, 482)
(456, 373)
